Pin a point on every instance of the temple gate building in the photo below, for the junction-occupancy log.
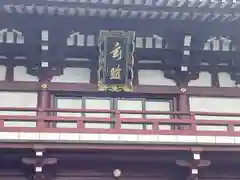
(119, 89)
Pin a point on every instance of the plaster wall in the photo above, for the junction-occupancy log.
(73, 75)
(204, 80)
(2, 73)
(225, 80)
(154, 78)
(216, 105)
(18, 99)
(20, 74)
(145, 77)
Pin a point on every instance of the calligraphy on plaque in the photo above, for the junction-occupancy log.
(116, 60)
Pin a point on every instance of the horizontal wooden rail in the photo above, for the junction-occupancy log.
(215, 114)
(192, 113)
(92, 111)
(175, 121)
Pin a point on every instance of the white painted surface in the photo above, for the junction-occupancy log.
(215, 104)
(13, 123)
(237, 128)
(225, 80)
(20, 74)
(211, 128)
(98, 103)
(18, 99)
(204, 80)
(154, 77)
(117, 138)
(11, 36)
(128, 104)
(218, 44)
(97, 125)
(67, 103)
(101, 104)
(73, 75)
(152, 105)
(66, 124)
(2, 73)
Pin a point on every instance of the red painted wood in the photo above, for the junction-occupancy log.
(43, 103)
(174, 121)
(141, 89)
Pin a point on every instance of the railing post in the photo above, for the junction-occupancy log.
(43, 98)
(230, 127)
(1, 123)
(183, 106)
(155, 126)
(118, 120)
(193, 120)
(80, 124)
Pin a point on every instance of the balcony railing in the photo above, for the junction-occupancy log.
(179, 123)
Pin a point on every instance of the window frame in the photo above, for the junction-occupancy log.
(114, 100)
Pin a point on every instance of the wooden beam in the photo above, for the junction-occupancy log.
(131, 7)
(85, 87)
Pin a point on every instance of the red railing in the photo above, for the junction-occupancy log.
(178, 122)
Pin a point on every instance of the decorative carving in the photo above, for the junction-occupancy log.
(44, 86)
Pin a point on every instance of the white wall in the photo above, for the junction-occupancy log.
(2, 73)
(225, 80)
(154, 77)
(20, 74)
(215, 104)
(73, 75)
(67, 103)
(18, 99)
(204, 80)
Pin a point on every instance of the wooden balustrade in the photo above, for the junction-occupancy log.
(115, 119)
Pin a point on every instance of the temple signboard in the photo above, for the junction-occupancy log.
(116, 60)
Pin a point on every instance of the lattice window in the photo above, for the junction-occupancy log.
(107, 103)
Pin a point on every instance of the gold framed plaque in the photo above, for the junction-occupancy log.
(116, 60)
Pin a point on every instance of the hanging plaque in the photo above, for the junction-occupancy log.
(116, 60)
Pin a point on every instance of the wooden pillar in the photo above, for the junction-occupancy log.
(44, 98)
(183, 104)
(183, 98)
(43, 95)
(214, 75)
(43, 103)
(10, 71)
(183, 101)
